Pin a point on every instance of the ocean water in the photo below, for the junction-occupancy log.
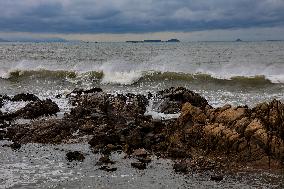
(236, 73)
(224, 72)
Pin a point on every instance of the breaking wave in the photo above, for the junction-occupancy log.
(132, 77)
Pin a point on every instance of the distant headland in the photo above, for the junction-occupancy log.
(154, 41)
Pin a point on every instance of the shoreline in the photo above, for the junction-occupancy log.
(201, 138)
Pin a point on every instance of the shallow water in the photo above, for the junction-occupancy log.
(45, 166)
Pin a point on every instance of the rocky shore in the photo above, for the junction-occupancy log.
(201, 138)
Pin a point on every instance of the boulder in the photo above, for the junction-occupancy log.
(173, 98)
(25, 97)
(180, 167)
(38, 108)
(139, 165)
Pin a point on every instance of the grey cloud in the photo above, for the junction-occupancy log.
(122, 16)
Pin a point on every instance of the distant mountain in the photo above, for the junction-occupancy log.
(3, 40)
(36, 40)
(43, 40)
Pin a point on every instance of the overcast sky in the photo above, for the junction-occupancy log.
(140, 17)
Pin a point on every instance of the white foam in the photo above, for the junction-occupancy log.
(123, 78)
(120, 72)
(219, 63)
(10, 106)
(151, 111)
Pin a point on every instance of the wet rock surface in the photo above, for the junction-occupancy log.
(201, 138)
(25, 97)
(173, 98)
(33, 110)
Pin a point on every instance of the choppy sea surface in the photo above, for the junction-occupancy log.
(237, 73)
(223, 72)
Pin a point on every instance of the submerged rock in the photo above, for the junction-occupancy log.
(139, 165)
(75, 156)
(107, 168)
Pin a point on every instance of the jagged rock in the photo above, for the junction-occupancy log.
(25, 97)
(38, 108)
(43, 131)
(229, 135)
(139, 165)
(75, 156)
(190, 113)
(231, 114)
(272, 115)
(33, 110)
(173, 98)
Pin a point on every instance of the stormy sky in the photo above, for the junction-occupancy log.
(138, 16)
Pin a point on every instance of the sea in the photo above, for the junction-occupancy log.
(236, 73)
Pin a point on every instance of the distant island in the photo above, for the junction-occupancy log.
(154, 41)
(238, 40)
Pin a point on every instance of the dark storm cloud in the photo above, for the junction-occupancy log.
(123, 16)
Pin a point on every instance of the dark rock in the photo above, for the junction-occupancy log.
(216, 178)
(107, 168)
(104, 139)
(104, 160)
(2, 134)
(15, 146)
(144, 159)
(25, 97)
(38, 108)
(139, 165)
(75, 156)
(178, 153)
(173, 98)
(51, 131)
(180, 167)
(141, 152)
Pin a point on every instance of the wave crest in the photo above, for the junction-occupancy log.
(132, 77)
